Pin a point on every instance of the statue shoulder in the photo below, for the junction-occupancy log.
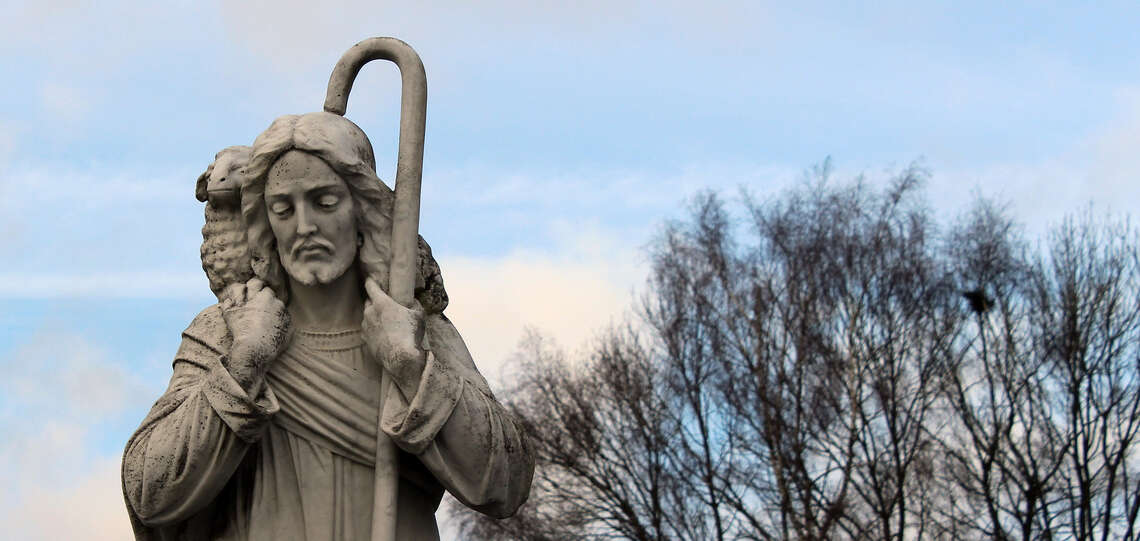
(209, 328)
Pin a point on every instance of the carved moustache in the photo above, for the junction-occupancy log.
(312, 243)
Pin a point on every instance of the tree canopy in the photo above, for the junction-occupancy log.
(834, 363)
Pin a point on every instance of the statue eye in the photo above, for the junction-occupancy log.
(328, 201)
(280, 208)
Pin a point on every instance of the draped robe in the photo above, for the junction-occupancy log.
(296, 462)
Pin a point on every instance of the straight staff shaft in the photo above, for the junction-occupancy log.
(405, 227)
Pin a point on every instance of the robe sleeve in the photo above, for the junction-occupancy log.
(197, 433)
(472, 445)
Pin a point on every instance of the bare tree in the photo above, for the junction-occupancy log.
(1001, 448)
(601, 437)
(848, 312)
(1086, 326)
(829, 364)
(1044, 390)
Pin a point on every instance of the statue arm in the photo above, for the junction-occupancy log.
(475, 448)
(197, 433)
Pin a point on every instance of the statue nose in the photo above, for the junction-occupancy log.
(305, 223)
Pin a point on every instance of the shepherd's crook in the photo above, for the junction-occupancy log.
(405, 224)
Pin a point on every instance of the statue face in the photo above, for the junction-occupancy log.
(311, 214)
(223, 185)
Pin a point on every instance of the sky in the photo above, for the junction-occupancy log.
(560, 137)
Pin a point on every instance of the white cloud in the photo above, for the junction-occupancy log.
(28, 187)
(42, 449)
(63, 102)
(52, 365)
(145, 284)
(1101, 168)
(82, 39)
(1115, 154)
(1040, 193)
(89, 506)
(629, 192)
(55, 389)
(301, 31)
(99, 232)
(569, 295)
(57, 386)
(7, 144)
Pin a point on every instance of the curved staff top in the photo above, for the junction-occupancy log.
(405, 223)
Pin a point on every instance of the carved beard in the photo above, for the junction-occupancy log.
(311, 273)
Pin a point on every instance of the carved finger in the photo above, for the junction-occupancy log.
(238, 294)
(371, 314)
(232, 293)
(419, 325)
(253, 286)
(374, 291)
(263, 296)
(383, 302)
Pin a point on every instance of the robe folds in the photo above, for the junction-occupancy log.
(296, 462)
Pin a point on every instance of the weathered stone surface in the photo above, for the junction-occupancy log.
(225, 254)
(307, 403)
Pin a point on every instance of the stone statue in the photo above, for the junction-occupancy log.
(311, 402)
(225, 255)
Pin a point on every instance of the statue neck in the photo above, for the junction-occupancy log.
(334, 306)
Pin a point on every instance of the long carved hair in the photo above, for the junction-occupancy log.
(342, 145)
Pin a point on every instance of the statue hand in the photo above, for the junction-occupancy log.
(393, 334)
(260, 325)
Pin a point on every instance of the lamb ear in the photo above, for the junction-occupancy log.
(200, 187)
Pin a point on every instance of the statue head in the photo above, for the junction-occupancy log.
(225, 252)
(220, 184)
(311, 214)
(326, 162)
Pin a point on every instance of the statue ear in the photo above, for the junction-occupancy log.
(200, 187)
